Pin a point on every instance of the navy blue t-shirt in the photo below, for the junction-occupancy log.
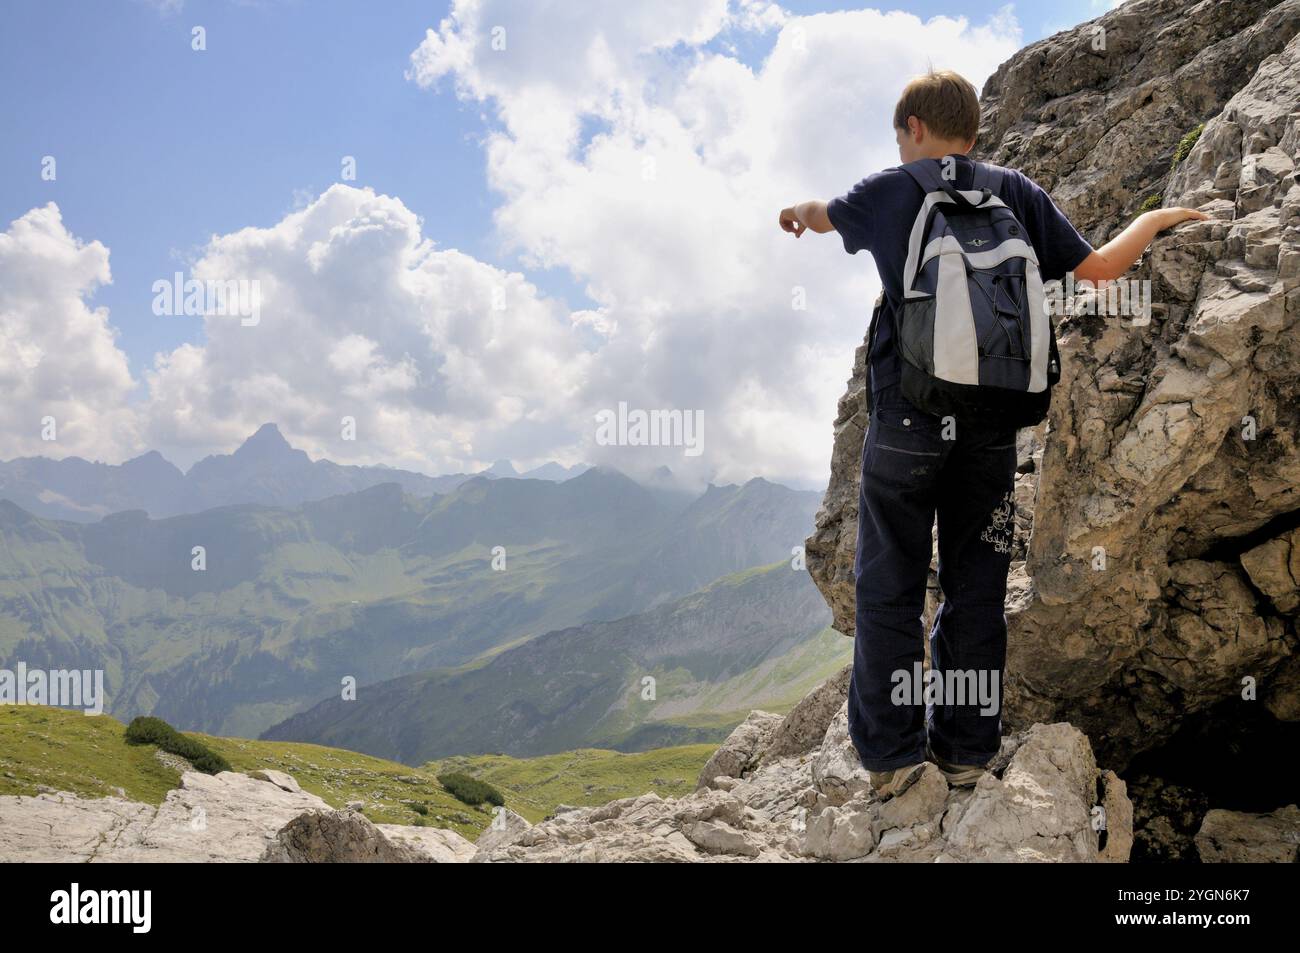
(877, 214)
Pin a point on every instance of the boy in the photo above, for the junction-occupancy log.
(916, 465)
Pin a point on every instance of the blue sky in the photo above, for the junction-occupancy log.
(160, 148)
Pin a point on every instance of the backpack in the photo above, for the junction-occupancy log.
(973, 330)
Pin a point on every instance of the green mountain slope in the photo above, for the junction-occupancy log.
(368, 585)
(534, 787)
(753, 639)
(65, 750)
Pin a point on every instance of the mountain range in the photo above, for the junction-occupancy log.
(685, 672)
(234, 618)
(265, 469)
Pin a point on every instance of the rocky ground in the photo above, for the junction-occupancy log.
(227, 817)
(792, 789)
(787, 789)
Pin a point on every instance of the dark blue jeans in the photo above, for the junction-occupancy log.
(916, 467)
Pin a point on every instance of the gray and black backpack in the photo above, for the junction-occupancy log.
(973, 328)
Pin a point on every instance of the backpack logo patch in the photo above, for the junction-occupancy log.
(977, 242)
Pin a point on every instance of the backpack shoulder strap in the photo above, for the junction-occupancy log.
(924, 174)
(988, 177)
(882, 306)
(875, 321)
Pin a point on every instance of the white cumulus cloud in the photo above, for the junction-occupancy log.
(443, 361)
(636, 152)
(59, 357)
(629, 144)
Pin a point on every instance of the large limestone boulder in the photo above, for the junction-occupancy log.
(1163, 491)
(347, 837)
(1173, 453)
(1041, 808)
(335, 837)
(227, 817)
(742, 748)
(804, 728)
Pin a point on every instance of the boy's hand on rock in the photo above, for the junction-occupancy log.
(1118, 255)
(790, 222)
(1169, 217)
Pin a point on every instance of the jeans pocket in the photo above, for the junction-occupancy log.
(905, 445)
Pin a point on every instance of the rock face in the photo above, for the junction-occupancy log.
(742, 748)
(805, 727)
(227, 817)
(1236, 838)
(1164, 490)
(1040, 803)
(1094, 114)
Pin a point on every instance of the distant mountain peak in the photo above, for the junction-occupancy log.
(268, 436)
(555, 472)
(603, 471)
(266, 444)
(151, 464)
(502, 468)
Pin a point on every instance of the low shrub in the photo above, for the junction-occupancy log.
(147, 730)
(1150, 203)
(470, 790)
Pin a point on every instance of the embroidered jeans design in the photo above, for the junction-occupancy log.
(1001, 531)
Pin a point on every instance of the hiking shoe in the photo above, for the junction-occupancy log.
(958, 775)
(887, 784)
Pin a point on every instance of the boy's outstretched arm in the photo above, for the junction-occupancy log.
(1117, 255)
(797, 218)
